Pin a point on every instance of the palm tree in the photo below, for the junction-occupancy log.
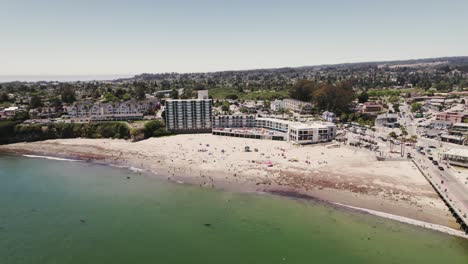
(392, 135)
(414, 140)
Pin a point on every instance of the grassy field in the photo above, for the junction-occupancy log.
(221, 93)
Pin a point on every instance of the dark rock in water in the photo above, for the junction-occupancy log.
(207, 225)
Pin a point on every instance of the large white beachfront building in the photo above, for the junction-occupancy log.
(189, 116)
(247, 126)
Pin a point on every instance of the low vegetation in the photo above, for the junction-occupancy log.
(11, 132)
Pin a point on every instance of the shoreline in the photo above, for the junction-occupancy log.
(241, 174)
(290, 195)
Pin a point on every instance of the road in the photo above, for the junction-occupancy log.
(449, 182)
(449, 186)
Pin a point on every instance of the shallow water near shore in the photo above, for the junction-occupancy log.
(73, 212)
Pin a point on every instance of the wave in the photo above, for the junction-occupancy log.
(49, 158)
(133, 169)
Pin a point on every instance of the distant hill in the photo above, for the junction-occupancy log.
(460, 63)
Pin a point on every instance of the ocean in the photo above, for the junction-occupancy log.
(56, 211)
(60, 78)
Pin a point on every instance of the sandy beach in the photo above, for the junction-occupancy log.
(342, 175)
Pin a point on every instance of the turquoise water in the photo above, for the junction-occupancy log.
(69, 212)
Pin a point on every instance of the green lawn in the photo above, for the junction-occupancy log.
(221, 93)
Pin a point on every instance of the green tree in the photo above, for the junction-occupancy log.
(140, 92)
(416, 107)
(303, 90)
(4, 98)
(110, 97)
(174, 94)
(225, 107)
(344, 117)
(35, 102)
(335, 98)
(68, 95)
(363, 97)
(154, 128)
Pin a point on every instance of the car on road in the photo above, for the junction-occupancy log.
(432, 147)
(441, 168)
(430, 158)
(435, 162)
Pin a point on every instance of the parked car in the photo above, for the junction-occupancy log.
(435, 162)
(441, 168)
(432, 147)
(430, 158)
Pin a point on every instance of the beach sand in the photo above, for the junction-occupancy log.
(343, 175)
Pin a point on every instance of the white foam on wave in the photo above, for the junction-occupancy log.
(49, 158)
(132, 169)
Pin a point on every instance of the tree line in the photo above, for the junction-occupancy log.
(325, 96)
(12, 132)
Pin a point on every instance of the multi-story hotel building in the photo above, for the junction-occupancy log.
(233, 121)
(274, 129)
(189, 116)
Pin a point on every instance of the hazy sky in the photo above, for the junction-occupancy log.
(124, 37)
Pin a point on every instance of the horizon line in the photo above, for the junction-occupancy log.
(130, 75)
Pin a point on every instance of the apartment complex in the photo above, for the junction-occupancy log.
(297, 106)
(189, 116)
(276, 105)
(452, 117)
(457, 134)
(291, 104)
(371, 107)
(91, 111)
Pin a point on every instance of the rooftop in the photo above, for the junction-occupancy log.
(460, 124)
(457, 152)
(387, 115)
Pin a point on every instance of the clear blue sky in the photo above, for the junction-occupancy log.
(124, 37)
